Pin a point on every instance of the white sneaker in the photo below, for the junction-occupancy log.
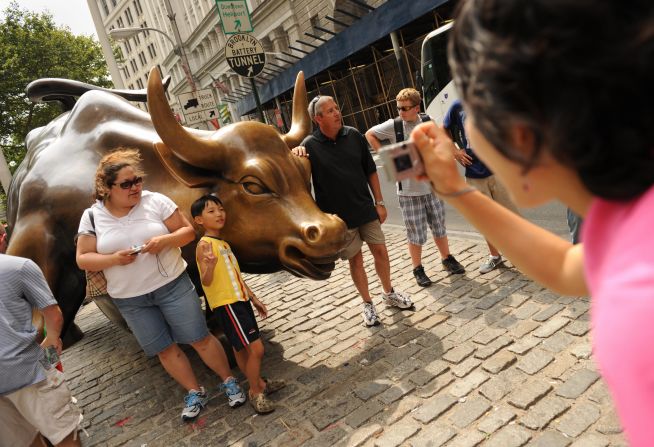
(370, 317)
(194, 402)
(491, 264)
(397, 299)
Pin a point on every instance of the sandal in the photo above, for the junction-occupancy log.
(261, 404)
(272, 386)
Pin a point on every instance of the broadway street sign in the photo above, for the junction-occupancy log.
(245, 55)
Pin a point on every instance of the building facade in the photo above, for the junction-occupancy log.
(330, 40)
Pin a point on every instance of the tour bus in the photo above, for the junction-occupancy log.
(437, 87)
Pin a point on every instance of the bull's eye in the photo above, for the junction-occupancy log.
(255, 188)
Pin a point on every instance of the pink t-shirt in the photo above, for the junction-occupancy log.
(618, 242)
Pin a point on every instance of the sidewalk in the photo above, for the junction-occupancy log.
(492, 360)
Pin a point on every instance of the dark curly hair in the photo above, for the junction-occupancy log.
(579, 74)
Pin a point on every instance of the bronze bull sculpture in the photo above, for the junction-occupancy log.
(273, 222)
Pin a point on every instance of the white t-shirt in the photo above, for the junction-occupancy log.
(146, 220)
(386, 131)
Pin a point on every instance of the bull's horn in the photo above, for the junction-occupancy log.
(188, 147)
(301, 125)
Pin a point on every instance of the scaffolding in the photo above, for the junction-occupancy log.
(365, 84)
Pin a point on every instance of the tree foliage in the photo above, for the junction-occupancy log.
(32, 46)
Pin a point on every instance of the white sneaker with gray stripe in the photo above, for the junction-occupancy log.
(397, 299)
(370, 317)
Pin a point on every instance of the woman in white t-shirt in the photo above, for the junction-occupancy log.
(134, 236)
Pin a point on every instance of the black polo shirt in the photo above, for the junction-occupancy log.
(340, 171)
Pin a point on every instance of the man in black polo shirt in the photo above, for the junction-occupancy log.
(342, 169)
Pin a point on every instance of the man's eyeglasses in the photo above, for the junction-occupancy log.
(127, 184)
(404, 108)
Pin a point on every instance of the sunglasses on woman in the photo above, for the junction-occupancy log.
(404, 108)
(127, 184)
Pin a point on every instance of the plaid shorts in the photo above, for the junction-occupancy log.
(417, 212)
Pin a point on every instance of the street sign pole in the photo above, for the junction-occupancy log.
(257, 100)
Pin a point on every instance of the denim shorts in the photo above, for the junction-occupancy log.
(167, 315)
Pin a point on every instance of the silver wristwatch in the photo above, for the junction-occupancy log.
(380, 202)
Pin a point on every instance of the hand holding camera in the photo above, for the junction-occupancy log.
(428, 156)
(402, 161)
(136, 249)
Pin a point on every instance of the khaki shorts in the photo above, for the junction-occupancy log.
(45, 407)
(490, 187)
(370, 232)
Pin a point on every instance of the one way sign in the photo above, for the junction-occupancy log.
(245, 55)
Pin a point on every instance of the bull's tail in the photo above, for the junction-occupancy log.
(67, 91)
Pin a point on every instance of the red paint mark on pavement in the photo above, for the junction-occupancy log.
(123, 421)
(198, 425)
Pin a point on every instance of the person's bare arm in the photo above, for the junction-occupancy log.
(181, 233)
(373, 140)
(207, 261)
(549, 259)
(375, 187)
(89, 259)
(54, 322)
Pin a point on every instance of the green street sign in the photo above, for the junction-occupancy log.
(234, 16)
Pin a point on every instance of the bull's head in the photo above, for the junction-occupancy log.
(272, 220)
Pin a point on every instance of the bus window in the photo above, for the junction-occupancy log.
(437, 88)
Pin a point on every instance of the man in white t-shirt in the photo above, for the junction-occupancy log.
(418, 204)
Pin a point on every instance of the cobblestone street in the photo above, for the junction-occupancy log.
(492, 360)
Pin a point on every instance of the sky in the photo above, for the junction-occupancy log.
(72, 13)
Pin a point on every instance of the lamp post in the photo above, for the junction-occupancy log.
(126, 33)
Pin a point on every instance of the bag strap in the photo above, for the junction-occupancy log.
(399, 129)
(90, 233)
(91, 219)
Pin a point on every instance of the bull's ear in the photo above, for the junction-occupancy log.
(184, 173)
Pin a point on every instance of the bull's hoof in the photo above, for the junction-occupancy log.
(73, 335)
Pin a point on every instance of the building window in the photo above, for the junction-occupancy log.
(128, 16)
(139, 83)
(126, 70)
(105, 8)
(120, 23)
(142, 59)
(113, 3)
(152, 52)
(137, 39)
(134, 66)
(137, 7)
(128, 47)
(145, 25)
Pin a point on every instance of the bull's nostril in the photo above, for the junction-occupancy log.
(311, 233)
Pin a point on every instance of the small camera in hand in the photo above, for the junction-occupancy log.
(402, 161)
(136, 249)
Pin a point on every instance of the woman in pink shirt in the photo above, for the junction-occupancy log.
(560, 105)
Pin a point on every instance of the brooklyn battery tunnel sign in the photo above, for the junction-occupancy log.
(245, 55)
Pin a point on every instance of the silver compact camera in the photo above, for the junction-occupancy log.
(402, 161)
(136, 249)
